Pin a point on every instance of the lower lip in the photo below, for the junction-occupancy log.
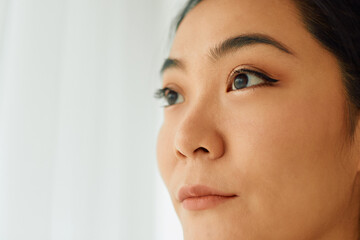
(205, 202)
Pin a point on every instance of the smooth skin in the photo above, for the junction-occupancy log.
(282, 149)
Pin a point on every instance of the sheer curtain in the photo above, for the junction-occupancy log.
(78, 123)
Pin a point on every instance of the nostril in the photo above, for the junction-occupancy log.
(202, 149)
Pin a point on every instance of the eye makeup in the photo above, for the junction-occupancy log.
(242, 77)
(248, 76)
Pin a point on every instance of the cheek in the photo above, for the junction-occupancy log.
(291, 126)
(287, 155)
(298, 140)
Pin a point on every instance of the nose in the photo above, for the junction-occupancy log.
(198, 136)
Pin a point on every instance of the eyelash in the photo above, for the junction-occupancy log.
(160, 93)
(268, 81)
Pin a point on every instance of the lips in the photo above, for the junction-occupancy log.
(200, 191)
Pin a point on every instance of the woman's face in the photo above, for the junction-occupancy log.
(278, 147)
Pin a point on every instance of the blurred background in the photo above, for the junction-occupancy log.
(78, 122)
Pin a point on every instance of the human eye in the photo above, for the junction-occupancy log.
(169, 96)
(243, 78)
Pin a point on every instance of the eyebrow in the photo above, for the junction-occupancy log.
(230, 45)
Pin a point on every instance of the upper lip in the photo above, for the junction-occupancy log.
(191, 191)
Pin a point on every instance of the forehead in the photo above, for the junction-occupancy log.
(212, 21)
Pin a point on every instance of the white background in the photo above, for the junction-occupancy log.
(78, 121)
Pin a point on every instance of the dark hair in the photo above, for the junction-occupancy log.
(336, 25)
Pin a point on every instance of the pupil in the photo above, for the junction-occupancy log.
(171, 97)
(241, 81)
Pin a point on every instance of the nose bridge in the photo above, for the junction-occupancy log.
(198, 135)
